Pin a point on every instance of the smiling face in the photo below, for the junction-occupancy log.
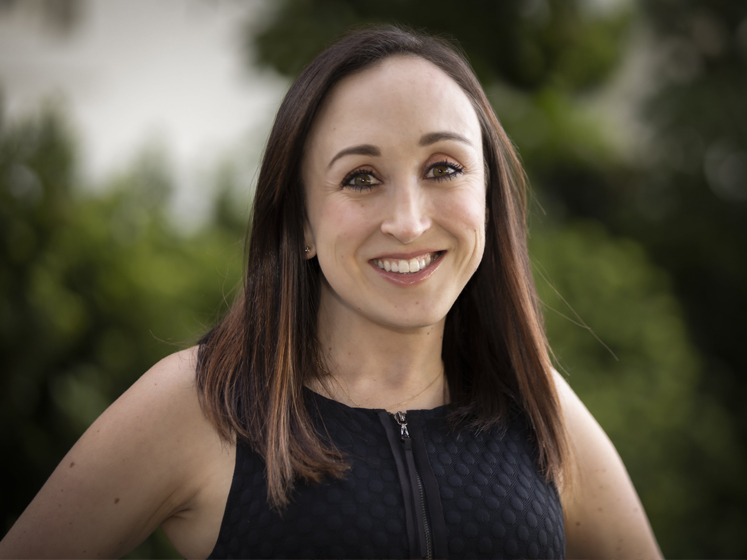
(395, 194)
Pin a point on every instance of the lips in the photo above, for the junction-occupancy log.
(406, 266)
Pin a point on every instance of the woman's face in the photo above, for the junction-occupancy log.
(395, 194)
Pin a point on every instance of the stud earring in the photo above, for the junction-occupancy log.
(306, 249)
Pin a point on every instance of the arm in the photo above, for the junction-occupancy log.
(603, 515)
(135, 467)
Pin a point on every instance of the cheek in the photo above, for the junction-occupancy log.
(341, 225)
(467, 213)
(467, 223)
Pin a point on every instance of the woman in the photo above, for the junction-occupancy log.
(387, 273)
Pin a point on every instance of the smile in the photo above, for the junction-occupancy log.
(406, 266)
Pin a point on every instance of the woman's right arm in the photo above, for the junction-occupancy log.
(136, 466)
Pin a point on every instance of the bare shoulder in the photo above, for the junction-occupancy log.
(139, 464)
(604, 517)
(166, 393)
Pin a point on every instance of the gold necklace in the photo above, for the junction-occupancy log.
(386, 407)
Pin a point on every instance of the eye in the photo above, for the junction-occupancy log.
(444, 170)
(360, 180)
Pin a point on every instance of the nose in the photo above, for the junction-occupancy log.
(407, 215)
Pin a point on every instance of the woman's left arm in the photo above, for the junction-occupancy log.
(603, 515)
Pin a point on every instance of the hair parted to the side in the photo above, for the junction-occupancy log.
(253, 366)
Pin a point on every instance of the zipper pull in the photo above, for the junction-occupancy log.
(401, 418)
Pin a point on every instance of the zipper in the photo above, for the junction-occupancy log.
(424, 531)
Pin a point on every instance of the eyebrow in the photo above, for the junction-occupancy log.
(362, 150)
(433, 137)
(425, 140)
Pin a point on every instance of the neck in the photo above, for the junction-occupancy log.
(379, 366)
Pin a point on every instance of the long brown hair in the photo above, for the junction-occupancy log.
(253, 366)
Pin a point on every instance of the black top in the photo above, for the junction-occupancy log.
(422, 490)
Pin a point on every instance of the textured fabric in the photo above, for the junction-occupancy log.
(494, 501)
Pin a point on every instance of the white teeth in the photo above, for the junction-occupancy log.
(402, 266)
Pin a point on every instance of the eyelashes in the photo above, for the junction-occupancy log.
(364, 178)
(444, 170)
(360, 179)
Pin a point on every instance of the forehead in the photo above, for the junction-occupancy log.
(395, 101)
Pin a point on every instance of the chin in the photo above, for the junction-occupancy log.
(412, 320)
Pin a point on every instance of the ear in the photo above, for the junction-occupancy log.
(309, 248)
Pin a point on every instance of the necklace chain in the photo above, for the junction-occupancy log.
(386, 407)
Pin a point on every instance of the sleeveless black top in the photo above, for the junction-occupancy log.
(415, 489)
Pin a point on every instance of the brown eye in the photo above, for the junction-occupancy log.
(360, 180)
(444, 170)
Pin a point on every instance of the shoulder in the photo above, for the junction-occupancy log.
(161, 407)
(604, 517)
(165, 390)
(136, 466)
(175, 372)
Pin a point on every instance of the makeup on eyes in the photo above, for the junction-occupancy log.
(456, 170)
(351, 180)
(357, 174)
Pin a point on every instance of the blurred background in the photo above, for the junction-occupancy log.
(130, 133)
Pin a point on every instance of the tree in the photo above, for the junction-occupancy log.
(96, 288)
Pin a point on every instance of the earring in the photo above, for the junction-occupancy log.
(306, 249)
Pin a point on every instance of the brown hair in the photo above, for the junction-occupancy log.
(253, 366)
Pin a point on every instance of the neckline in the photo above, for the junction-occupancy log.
(333, 402)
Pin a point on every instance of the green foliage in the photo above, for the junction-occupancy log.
(693, 192)
(95, 290)
(690, 201)
(620, 338)
(528, 44)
